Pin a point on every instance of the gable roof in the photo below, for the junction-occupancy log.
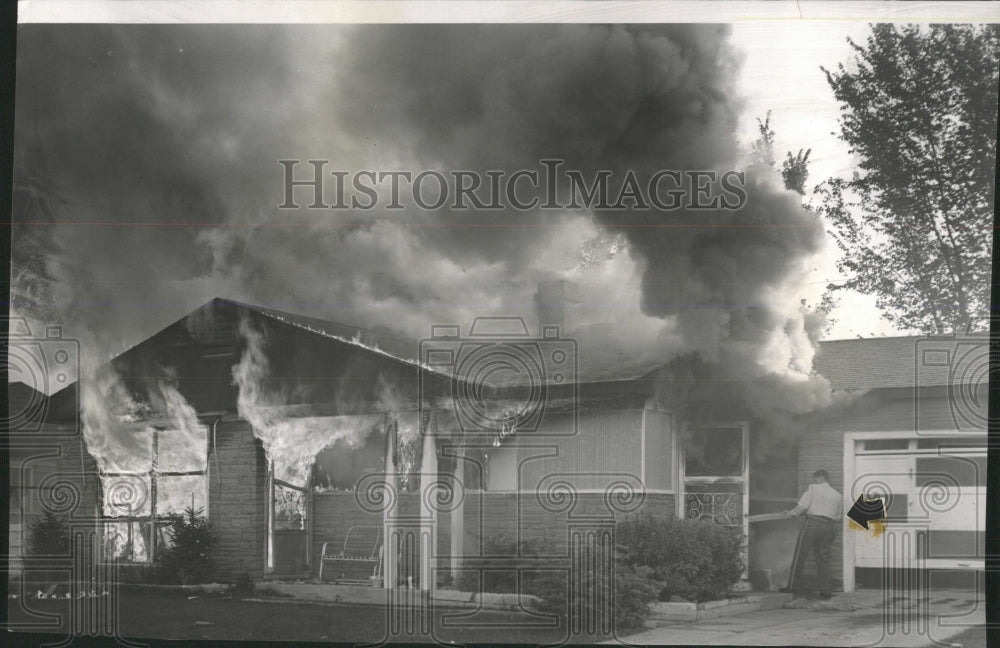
(900, 362)
(345, 332)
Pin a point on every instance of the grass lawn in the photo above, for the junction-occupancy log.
(172, 615)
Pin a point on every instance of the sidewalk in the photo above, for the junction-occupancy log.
(858, 618)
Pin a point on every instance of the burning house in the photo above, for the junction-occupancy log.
(290, 431)
(300, 439)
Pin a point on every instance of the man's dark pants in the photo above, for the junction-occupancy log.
(816, 537)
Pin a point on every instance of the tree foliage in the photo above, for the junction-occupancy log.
(795, 168)
(189, 559)
(919, 110)
(48, 535)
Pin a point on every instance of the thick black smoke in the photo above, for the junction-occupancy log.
(148, 127)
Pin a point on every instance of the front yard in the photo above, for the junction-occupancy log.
(171, 614)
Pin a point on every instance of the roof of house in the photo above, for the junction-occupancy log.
(23, 398)
(851, 364)
(608, 369)
(346, 332)
(911, 361)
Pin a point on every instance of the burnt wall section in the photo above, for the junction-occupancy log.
(237, 500)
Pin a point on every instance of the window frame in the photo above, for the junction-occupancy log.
(153, 518)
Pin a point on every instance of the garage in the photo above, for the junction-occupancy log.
(934, 490)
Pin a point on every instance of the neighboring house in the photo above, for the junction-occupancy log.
(288, 431)
(50, 469)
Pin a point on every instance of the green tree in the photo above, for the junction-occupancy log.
(919, 109)
(794, 170)
(762, 150)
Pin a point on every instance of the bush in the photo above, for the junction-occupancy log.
(633, 588)
(244, 583)
(48, 536)
(138, 574)
(694, 559)
(503, 581)
(189, 559)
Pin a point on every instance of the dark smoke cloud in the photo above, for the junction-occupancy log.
(168, 124)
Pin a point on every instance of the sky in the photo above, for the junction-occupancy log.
(781, 73)
(161, 145)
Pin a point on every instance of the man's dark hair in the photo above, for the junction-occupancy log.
(821, 473)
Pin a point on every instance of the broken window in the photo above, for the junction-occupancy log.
(162, 479)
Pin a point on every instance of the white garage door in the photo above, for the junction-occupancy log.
(935, 492)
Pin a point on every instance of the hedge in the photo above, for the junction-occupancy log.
(696, 560)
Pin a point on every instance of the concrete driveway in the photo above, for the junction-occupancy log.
(862, 618)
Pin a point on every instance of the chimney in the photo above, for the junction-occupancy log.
(557, 304)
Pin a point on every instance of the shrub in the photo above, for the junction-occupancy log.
(48, 536)
(138, 574)
(188, 560)
(694, 559)
(501, 549)
(244, 583)
(632, 588)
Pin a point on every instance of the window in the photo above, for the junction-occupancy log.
(947, 443)
(957, 471)
(714, 452)
(139, 502)
(886, 444)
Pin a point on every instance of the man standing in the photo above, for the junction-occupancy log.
(823, 507)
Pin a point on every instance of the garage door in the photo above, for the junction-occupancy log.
(935, 494)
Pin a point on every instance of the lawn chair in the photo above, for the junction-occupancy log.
(359, 561)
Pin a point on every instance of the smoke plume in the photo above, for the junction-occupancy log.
(148, 127)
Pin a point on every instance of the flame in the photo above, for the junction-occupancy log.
(183, 447)
(291, 443)
(109, 415)
(119, 436)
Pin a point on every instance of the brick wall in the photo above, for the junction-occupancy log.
(237, 502)
(491, 514)
(486, 515)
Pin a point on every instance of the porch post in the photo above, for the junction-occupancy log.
(269, 561)
(458, 512)
(428, 515)
(390, 552)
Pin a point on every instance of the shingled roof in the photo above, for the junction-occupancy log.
(914, 361)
